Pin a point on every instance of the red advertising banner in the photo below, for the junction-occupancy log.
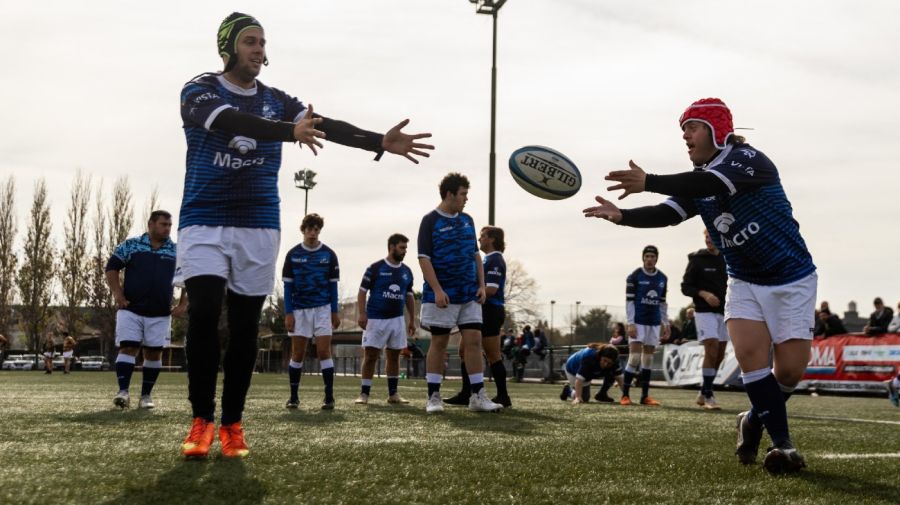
(853, 363)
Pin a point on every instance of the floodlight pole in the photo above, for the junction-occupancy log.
(492, 7)
(303, 179)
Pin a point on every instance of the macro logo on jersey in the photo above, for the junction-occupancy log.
(449, 242)
(310, 274)
(753, 223)
(495, 276)
(652, 298)
(388, 286)
(231, 180)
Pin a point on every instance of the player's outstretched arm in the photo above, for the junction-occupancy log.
(655, 216)
(696, 184)
(404, 144)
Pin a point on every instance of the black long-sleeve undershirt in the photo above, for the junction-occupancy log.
(253, 126)
(653, 216)
(686, 184)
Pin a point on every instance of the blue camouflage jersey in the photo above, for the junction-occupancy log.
(310, 278)
(231, 180)
(449, 242)
(495, 276)
(645, 297)
(388, 285)
(753, 224)
(148, 275)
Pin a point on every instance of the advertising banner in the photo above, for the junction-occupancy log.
(683, 365)
(853, 363)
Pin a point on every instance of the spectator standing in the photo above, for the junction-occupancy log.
(49, 352)
(689, 327)
(895, 323)
(828, 324)
(68, 351)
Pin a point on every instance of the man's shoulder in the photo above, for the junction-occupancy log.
(206, 79)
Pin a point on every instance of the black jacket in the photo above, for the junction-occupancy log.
(831, 326)
(705, 272)
(879, 325)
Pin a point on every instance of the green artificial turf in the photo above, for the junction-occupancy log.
(62, 441)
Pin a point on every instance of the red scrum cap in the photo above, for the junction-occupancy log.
(715, 114)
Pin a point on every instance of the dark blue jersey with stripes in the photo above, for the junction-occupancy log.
(449, 242)
(495, 276)
(648, 294)
(753, 224)
(231, 180)
(310, 277)
(148, 275)
(388, 285)
(586, 363)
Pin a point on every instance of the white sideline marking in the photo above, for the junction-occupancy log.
(860, 456)
(850, 419)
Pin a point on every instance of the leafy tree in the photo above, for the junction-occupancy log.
(593, 326)
(75, 271)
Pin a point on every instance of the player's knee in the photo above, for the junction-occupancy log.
(634, 360)
(788, 377)
(647, 360)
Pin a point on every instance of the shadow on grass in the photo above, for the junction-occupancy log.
(313, 416)
(857, 489)
(507, 421)
(216, 480)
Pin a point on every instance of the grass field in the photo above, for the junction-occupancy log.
(63, 442)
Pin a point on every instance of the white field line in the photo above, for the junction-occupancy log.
(848, 419)
(873, 455)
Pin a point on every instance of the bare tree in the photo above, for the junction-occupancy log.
(152, 204)
(121, 214)
(75, 270)
(520, 293)
(38, 268)
(99, 298)
(8, 259)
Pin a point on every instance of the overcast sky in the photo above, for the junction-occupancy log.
(95, 85)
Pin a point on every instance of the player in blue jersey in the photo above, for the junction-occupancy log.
(388, 283)
(595, 361)
(310, 276)
(453, 292)
(647, 311)
(705, 280)
(492, 243)
(229, 224)
(737, 192)
(144, 303)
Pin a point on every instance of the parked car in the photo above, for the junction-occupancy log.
(18, 362)
(94, 363)
(59, 363)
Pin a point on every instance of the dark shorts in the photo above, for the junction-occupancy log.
(492, 317)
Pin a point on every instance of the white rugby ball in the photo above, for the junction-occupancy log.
(544, 172)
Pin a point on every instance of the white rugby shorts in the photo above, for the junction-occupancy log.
(647, 335)
(452, 315)
(68, 354)
(710, 325)
(245, 257)
(313, 322)
(788, 310)
(381, 333)
(149, 331)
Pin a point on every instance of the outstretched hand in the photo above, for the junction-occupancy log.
(606, 210)
(631, 180)
(305, 131)
(397, 142)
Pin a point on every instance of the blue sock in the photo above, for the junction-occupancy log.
(366, 386)
(392, 385)
(151, 373)
(295, 371)
(628, 378)
(586, 393)
(645, 382)
(328, 377)
(769, 407)
(124, 369)
(709, 375)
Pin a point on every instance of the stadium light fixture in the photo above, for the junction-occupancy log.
(492, 7)
(305, 180)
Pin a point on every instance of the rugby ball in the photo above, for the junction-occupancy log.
(544, 172)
